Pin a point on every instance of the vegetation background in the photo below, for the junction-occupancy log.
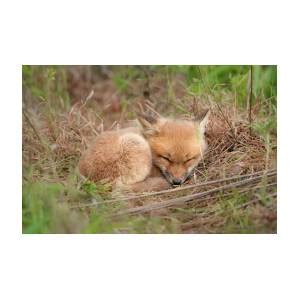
(65, 107)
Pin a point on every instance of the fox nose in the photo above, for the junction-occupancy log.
(177, 181)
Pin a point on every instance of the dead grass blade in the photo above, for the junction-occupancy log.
(188, 198)
(257, 175)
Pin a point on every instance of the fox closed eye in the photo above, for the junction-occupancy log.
(165, 157)
(169, 160)
(190, 159)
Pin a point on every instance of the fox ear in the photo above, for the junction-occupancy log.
(148, 123)
(203, 120)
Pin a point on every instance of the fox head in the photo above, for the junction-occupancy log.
(177, 145)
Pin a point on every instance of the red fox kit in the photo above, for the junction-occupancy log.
(130, 157)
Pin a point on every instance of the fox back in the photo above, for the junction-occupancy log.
(120, 157)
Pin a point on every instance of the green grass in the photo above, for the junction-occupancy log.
(45, 208)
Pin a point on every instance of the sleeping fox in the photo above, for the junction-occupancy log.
(156, 155)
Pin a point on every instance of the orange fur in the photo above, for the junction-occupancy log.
(177, 149)
(122, 158)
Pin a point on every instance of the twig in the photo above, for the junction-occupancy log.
(193, 223)
(257, 175)
(208, 198)
(187, 198)
(250, 96)
(202, 184)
